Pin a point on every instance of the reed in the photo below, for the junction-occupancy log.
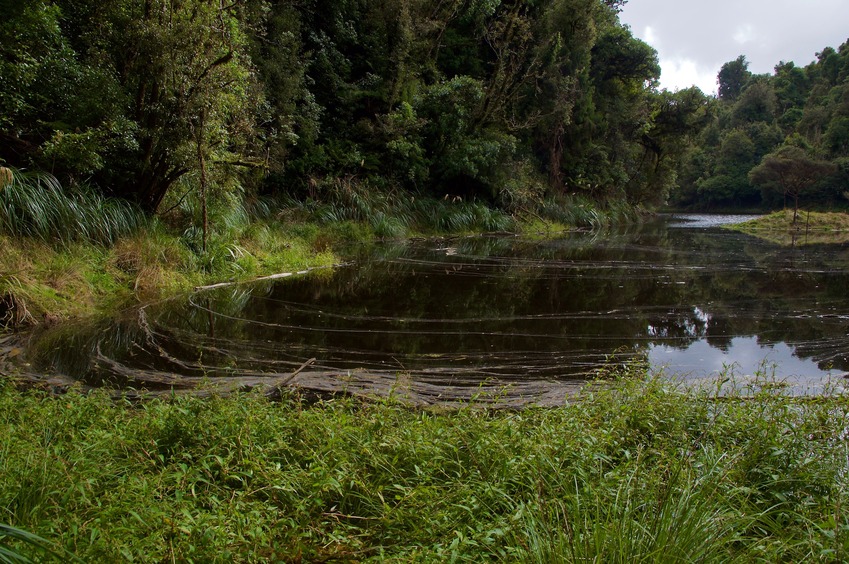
(393, 214)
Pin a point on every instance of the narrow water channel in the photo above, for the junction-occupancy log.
(449, 319)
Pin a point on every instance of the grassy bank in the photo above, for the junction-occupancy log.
(41, 281)
(72, 253)
(631, 473)
(810, 227)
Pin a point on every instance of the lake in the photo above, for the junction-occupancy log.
(493, 318)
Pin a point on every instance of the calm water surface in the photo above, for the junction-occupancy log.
(689, 297)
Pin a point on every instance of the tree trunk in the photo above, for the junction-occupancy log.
(203, 177)
(795, 207)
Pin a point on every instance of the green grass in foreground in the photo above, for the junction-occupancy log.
(630, 473)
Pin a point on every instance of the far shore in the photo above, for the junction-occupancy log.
(810, 228)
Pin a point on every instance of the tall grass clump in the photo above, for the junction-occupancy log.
(459, 217)
(35, 205)
(579, 211)
(393, 214)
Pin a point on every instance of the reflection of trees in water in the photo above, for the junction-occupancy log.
(796, 296)
(491, 304)
(73, 349)
(681, 326)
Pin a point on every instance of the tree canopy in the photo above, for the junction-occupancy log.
(763, 120)
(149, 100)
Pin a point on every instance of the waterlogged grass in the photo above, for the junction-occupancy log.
(43, 281)
(810, 228)
(392, 215)
(634, 472)
(395, 216)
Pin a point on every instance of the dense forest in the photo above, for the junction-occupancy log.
(510, 102)
(775, 139)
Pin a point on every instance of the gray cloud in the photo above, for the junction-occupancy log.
(694, 39)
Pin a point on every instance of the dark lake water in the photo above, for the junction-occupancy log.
(450, 318)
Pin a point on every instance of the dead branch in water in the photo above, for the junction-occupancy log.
(269, 277)
(276, 390)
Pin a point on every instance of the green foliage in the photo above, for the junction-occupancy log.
(791, 172)
(149, 101)
(36, 205)
(35, 544)
(35, 55)
(632, 472)
(460, 150)
(732, 78)
(803, 107)
(791, 86)
(757, 103)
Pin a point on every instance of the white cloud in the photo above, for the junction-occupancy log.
(650, 37)
(694, 39)
(744, 34)
(677, 74)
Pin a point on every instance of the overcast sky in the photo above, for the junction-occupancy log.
(694, 38)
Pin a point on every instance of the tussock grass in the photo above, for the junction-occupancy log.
(40, 281)
(45, 282)
(35, 205)
(393, 215)
(577, 211)
(634, 472)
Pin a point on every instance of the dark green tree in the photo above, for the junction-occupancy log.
(791, 87)
(792, 172)
(756, 103)
(732, 78)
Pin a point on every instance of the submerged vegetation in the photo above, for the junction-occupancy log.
(632, 472)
